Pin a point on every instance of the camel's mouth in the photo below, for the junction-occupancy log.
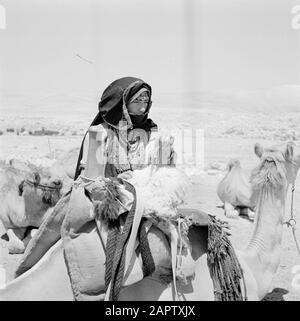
(50, 198)
(269, 161)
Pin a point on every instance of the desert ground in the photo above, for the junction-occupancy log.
(224, 139)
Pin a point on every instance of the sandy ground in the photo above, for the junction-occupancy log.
(201, 195)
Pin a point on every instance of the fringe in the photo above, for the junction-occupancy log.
(225, 269)
(107, 208)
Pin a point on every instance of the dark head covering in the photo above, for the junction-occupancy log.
(113, 108)
(116, 97)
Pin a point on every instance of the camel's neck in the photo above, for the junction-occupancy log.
(264, 249)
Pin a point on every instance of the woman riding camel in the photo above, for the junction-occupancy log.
(118, 136)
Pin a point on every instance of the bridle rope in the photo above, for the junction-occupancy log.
(42, 186)
(292, 221)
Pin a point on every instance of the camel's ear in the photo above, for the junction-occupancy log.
(258, 150)
(289, 152)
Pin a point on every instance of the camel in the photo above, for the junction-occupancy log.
(48, 279)
(234, 190)
(23, 203)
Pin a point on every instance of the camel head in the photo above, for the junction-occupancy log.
(282, 157)
(277, 169)
(40, 192)
(233, 163)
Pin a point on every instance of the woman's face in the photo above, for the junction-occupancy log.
(139, 105)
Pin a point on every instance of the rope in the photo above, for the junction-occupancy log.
(292, 205)
(174, 243)
(47, 190)
(295, 239)
(178, 260)
(148, 262)
(42, 186)
(292, 222)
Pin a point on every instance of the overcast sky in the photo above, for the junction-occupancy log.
(175, 45)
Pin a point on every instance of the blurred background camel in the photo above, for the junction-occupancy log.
(27, 195)
(234, 190)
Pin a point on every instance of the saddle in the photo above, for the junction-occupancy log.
(175, 250)
(102, 257)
